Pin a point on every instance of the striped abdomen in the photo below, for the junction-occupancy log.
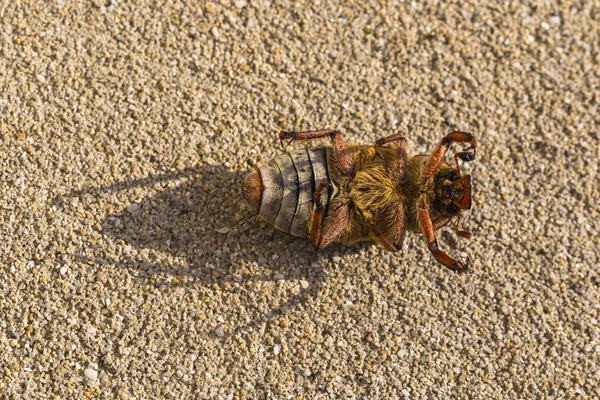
(281, 191)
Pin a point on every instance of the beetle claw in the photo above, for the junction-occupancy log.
(473, 147)
(462, 267)
(378, 152)
(286, 135)
(466, 156)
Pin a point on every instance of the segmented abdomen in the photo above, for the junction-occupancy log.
(282, 190)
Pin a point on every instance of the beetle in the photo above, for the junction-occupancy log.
(348, 193)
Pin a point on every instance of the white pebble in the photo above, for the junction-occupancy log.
(64, 270)
(276, 349)
(220, 332)
(240, 4)
(91, 374)
(215, 32)
(555, 20)
(545, 25)
(41, 78)
(223, 230)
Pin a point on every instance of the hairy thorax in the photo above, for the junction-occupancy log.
(374, 186)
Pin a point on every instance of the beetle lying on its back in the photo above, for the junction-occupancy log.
(348, 194)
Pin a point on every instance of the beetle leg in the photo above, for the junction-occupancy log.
(388, 139)
(341, 151)
(399, 160)
(316, 215)
(399, 223)
(432, 244)
(399, 228)
(437, 155)
(335, 224)
(381, 238)
(319, 236)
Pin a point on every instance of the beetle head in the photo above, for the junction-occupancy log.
(453, 191)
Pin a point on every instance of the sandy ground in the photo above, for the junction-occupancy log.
(131, 267)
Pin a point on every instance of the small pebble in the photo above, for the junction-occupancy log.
(223, 230)
(220, 332)
(91, 374)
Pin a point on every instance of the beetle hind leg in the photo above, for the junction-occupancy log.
(335, 224)
(379, 143)
(344, 157)
(315, 220)
(322, 232)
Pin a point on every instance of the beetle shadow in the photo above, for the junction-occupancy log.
(197, 230)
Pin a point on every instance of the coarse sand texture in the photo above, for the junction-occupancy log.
(131, 266)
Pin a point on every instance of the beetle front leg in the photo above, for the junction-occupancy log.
(432, 244)
(437, 155)
(342, 152)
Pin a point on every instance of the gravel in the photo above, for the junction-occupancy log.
(131, 268)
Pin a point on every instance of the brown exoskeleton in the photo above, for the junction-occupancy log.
(348, 193)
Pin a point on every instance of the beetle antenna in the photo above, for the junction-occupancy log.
(463, 234)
